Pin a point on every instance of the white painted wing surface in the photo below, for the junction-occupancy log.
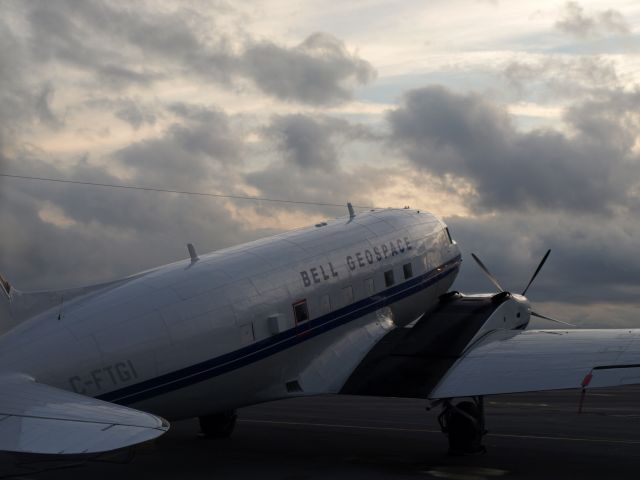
(536, 360)
(37, 418)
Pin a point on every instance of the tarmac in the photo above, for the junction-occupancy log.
(531, 436)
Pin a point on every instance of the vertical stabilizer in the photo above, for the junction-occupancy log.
(6, 296)
(6, 286)
(17, 306)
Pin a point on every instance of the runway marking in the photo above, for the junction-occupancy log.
(426, 430)
(571, 439)
(465, 473)
(335, 425)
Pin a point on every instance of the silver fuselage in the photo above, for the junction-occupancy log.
(229, 330)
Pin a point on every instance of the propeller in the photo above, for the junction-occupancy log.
(535, 274)
(536, 314)
(486, 271)
(495, 282)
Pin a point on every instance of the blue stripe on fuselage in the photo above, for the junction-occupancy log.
(279, 342)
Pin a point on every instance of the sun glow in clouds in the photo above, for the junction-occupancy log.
(496, 116)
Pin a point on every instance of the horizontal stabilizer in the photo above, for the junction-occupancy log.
(37, 418)
(537, 360)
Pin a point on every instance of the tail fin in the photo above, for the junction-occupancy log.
(6, 286)
(7, 293)
(17, 306)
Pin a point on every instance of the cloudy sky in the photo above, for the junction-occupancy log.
(517, 122)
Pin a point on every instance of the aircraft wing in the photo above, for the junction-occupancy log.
(535, 360)
(37, 418)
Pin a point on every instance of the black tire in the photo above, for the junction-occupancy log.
(218, 425)
(465, 434)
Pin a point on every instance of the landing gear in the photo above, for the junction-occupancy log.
(219, 425)
(464, 425)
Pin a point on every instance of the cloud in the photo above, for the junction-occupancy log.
(199, 151)
(591, 261)
(465, 136)
(576, 23)
(308, 162)
(308, 142)
(134, 114)
(333, 187)
(318, 71)
(43, 107)
(74, 235)
(18, 98)
(148, 73)
(81, 35)
(121, 46)
(550, 77)
(57, 236)
(305, 142)
(610, 119)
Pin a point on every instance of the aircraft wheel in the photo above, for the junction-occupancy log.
(218, 425)
(464, 425)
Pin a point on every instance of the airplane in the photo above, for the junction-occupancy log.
(357, 305)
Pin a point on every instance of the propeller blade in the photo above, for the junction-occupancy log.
(535, 314)
(487, 272)
(544, 259)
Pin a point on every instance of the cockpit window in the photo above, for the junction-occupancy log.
(448, 234)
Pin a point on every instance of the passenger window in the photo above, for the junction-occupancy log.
(300, 311)
(369, 287)
(408, 270)
(388, 278)
(325, 304)
(347, 294)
